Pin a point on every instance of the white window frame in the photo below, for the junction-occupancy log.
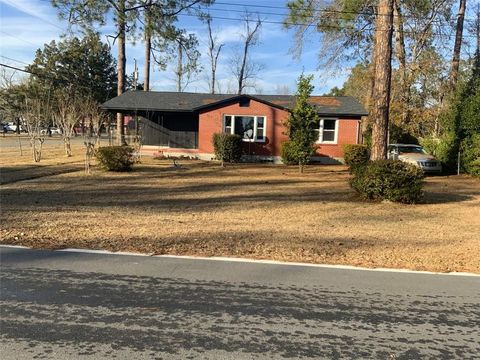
(255, 123)
(320, 132)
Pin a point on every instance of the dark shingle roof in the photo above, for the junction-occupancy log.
(188, 102)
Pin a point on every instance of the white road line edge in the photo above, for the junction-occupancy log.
(246, 260)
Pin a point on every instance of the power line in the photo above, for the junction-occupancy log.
(316, 10)
(19, 7)
(285, 8)
(308, 25)
(324, 26)
(29, 72)
(47, 77)
(440, 24)
(16, 37)
(18, 61)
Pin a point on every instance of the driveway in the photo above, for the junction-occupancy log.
(65, 305)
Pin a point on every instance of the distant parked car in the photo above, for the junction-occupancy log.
(11, 126)
(51, 131)
(416, 155)
(56, 131)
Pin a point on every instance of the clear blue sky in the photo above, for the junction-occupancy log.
(25, 25)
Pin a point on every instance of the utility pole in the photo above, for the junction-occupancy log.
(135, 74)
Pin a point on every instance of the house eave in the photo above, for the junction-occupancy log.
(235, 99)
(130, 110)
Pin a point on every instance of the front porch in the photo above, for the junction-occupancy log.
(166, 131)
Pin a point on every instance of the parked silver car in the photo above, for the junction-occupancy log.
(416, 155)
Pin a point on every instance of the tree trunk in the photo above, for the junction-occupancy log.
(179, 68)
(402, 69)
(383, 72)
(148, 49)
(212, 83)
(121, 68)
(368, 119)
(146, 80)
(68, 146)
(36, 144)
(213, 53)
(242, 68)
(477, 31)
(458, 44)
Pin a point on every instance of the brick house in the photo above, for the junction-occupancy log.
(184, 123)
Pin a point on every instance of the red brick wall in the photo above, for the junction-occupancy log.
(347, 134)
(211, 121)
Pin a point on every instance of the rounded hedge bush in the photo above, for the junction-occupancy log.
(391, 180)
(288, 153)
(115, 158)
(355, 155)
(227, 147)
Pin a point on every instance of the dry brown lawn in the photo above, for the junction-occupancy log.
(255, 211)
(17, 164)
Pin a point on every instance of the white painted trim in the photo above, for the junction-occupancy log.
(358, 132)
(265, 119)
(320, 132)
(246, 260)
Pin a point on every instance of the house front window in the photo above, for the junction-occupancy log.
(250, 128)
(327, 131)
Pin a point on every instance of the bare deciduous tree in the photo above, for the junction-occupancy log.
(9, 101)
(186, 67)
(282, 89)
(243, 67)
(67, 114)
(214, 48)
(35, 113)
(97, 119)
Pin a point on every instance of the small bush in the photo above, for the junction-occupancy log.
(296, 153)
(227, 147)
(355, 156)
(288, 153)
(115, 158)
(391, 180)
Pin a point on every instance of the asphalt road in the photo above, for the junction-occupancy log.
(65, 305)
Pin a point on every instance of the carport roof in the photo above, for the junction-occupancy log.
(189, 102)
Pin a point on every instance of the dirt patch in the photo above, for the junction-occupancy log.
(255, 211)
